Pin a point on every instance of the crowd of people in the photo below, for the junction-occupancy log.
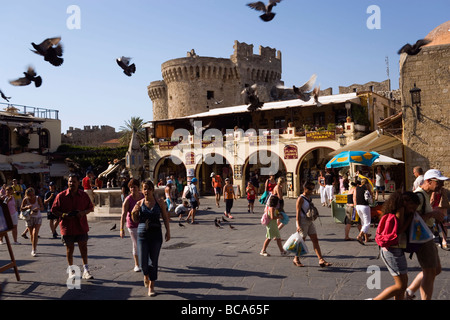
(143, 211)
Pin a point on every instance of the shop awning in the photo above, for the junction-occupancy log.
(5, 167)
(31, 167)
(372, 142)
(59, 170)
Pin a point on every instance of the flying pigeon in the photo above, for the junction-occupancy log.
(124, 63)
(305, 92)
(251, 98)
(51, 49)
(113, 227)
(414, 49)
(30, 76)
(3, 96)
(217, 224)
(268, 15)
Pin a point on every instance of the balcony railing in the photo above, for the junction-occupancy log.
(38, 112)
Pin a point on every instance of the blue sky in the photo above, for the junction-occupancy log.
(326, 37)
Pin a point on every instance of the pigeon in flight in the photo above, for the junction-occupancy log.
(30, 76)
(124, 63)
(251, 98)
(51, 49)
(268, 15)
(113, 227)
(4, 96)
(414, 49)
(305, 92)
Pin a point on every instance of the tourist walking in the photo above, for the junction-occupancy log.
(228, 196)
(379, 182)
(351, 216)
(147, 214)
(194, 200)
(402, 208)
(272, 231)
(33, 203)
(428, 256)
(170, 202)
(361, 200)
(321, 181)
(330, 181)
(72, 207)
(217, 184)
(126, 220)
(305, 225)
(251, 196)
(49, 198)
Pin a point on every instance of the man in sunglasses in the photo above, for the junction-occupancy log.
(428, 254)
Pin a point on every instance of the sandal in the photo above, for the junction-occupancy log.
(361, 242)
(298, 263)
(325, 264)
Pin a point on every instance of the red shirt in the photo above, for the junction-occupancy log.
(86, 183)
(65, 203)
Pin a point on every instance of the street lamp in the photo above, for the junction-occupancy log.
(342, 140)
(348, 106)
(416, 100)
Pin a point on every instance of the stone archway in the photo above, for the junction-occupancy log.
(212, 162)
(166, 167)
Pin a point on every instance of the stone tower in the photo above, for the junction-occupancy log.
(196, 84)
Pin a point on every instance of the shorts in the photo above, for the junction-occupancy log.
(349, 216)
(218, 190)
(33, 221)
(251, 200)
(194, 204)
(380, 188)
(307, 227)
(428, 256)
(71, 239)
(395, 261)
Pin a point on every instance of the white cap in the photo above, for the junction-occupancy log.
(434, 174)
(212, 174)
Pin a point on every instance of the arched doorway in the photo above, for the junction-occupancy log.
(263, 163)
(169, 166)
(310, 164)
(216, 163)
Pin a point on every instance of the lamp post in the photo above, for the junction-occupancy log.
(342, 140)
(416, 100)
(348, 106)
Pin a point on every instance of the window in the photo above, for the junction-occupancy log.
(319, 119)
(44, 139)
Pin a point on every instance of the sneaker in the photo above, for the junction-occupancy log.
(264, 254)
(87, 275)
(136, 269)
(33, 253)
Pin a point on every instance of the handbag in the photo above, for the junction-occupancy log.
(419, 232)
(285, 218)
(25, 214)
(296, 245)
(264, 197)
(265, 217)
(312, 213)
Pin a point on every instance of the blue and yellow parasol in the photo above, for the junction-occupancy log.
(346, 158)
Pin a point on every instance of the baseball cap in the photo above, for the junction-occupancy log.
(434, 174)
(212, 174)
(194, 180)
(51, 183)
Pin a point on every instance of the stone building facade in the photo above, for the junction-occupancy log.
(426, 135)
(90, 136)
(196, 84)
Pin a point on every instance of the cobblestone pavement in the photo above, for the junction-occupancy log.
(203, 262)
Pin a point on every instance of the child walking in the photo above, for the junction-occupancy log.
(251, 196)
(272, 228)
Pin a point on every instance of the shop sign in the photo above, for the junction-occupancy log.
(312, 136)
(291, 152)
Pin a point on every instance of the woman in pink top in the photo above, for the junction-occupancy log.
(127, 207)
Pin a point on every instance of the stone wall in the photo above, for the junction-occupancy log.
(427, 141)
(91, 136)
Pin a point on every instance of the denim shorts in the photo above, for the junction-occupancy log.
(395, 261)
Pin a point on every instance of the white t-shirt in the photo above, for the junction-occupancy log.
(181, 209)
(418, 182)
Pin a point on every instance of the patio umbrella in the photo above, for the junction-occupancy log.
(383, 160)
(346, 158)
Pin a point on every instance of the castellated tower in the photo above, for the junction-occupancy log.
(196, 84)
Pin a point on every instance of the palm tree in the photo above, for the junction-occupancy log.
(135, 124)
